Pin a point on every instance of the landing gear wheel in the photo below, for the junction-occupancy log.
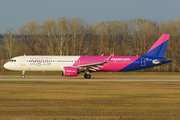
(87, 76)
(23, 76)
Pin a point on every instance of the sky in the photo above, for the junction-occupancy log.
(14, 13)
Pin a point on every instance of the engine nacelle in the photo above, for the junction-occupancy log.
(70, 71)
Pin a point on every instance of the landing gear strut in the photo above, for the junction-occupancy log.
(87, 75)
(23, 75)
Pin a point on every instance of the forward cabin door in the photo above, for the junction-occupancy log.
(23, 61)
(143, 61)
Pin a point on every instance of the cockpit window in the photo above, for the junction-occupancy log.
(12, 61)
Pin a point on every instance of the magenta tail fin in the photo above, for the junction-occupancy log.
(159, 48)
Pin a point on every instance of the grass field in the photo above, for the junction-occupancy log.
(89, 100)
(94, 75)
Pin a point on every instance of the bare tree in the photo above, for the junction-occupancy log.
(62, 24)
(29, 34)
(102, 35)
(10, 42)
(81, 38)
(49, 31)
(74, 31)
(92, 33)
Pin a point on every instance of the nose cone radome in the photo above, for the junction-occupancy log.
(6, 65)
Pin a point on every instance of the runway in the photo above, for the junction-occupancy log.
(93, 79)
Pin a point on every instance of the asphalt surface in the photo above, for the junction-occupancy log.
(92, 79)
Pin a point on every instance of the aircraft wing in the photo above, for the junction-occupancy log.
(94, 66)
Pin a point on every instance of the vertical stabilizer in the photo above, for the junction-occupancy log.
(159, 48)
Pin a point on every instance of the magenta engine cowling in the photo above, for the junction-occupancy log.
(70, 71)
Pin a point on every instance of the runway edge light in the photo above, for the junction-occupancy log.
(119, 117)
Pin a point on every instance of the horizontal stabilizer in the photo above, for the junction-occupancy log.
(162, 60)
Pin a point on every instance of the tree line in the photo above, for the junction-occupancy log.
(74, 36)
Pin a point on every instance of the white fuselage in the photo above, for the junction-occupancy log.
(40, 63)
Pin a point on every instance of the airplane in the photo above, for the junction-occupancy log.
(74, 65)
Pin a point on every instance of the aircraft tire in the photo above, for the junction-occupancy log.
(87, 76)
(23, 76)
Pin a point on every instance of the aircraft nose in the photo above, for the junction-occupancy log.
(6, 65)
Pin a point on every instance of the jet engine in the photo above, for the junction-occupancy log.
(70, 71)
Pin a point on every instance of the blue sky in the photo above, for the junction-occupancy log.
(14, 13)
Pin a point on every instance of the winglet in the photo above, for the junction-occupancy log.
(102, 54)
(109, 58)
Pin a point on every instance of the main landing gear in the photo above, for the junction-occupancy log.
(23, 75)
(87, 75)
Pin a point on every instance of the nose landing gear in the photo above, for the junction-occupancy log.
(23, 75)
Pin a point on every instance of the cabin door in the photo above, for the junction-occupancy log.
(23, 61)
(143, 61)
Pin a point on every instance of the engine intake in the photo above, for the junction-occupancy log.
(70, 71)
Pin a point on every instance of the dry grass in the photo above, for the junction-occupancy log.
(89, 100)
